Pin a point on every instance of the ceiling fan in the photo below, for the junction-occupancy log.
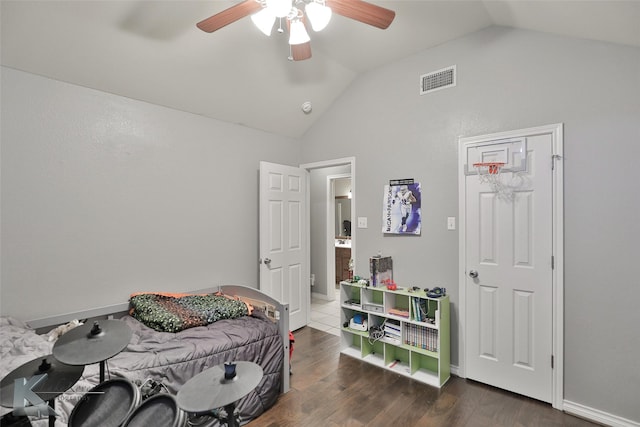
(264, 14)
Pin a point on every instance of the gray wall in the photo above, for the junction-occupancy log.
(103, 196)
(510, 79)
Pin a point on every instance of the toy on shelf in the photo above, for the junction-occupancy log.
(390, 284)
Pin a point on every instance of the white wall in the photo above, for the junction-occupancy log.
(510, 79)
(103, 196)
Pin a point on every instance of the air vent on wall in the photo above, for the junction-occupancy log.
(437, 80)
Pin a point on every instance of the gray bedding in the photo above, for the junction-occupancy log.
(169, 358)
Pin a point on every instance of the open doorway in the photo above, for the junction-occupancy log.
(339, 258)
(332, 240)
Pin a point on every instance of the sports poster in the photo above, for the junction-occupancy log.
(401, 211)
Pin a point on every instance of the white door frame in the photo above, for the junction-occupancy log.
(351, 161)
(556, 130)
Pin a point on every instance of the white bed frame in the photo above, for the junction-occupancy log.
(277, 311)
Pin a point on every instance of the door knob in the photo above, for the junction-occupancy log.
(473, 274)
(267, 261)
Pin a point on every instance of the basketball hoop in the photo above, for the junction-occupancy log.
(491, 168)
(489, 173)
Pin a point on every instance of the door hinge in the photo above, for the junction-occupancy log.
(554, 157)
(552, 361)
(553, 262)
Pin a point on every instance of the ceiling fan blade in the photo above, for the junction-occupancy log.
(362, 11)
(300, 52)
(229, 16)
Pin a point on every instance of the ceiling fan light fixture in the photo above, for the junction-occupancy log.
(264, 20)
(298, 34)
(319, 15)
(279, 8)
(296, 13)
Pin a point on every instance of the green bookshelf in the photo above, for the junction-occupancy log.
(416, 343)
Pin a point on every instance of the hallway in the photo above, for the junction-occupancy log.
(325, 315)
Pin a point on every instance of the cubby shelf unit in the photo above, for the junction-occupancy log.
(421, 348)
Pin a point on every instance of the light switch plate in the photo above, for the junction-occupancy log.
(362, 222)
(451, 223)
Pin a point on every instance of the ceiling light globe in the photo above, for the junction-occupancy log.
(264, 20)
(298, 34)
(280, 8)
(318, 14)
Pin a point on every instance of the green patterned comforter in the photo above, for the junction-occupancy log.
(174, 314)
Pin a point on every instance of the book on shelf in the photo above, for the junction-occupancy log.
(394, 339)
(421, 337)
(393, 332)
(399, 312)
(389, 326)
(420, 309)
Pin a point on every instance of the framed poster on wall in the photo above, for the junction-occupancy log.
(401, 208)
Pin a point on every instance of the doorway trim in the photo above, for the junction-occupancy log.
(556, 131)
(351, 161)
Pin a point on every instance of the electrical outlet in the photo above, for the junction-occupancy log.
(362, 222)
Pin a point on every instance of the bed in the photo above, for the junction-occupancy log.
(169, 359)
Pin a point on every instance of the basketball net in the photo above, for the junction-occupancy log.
(489, 173)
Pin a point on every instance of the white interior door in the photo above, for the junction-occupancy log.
(283, 221)
(509, 267)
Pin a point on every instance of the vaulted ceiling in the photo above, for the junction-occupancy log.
(152, 51)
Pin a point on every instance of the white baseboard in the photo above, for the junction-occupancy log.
(320, 296)
(454, 370)
(597, 416)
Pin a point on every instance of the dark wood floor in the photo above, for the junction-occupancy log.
(329, 389)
